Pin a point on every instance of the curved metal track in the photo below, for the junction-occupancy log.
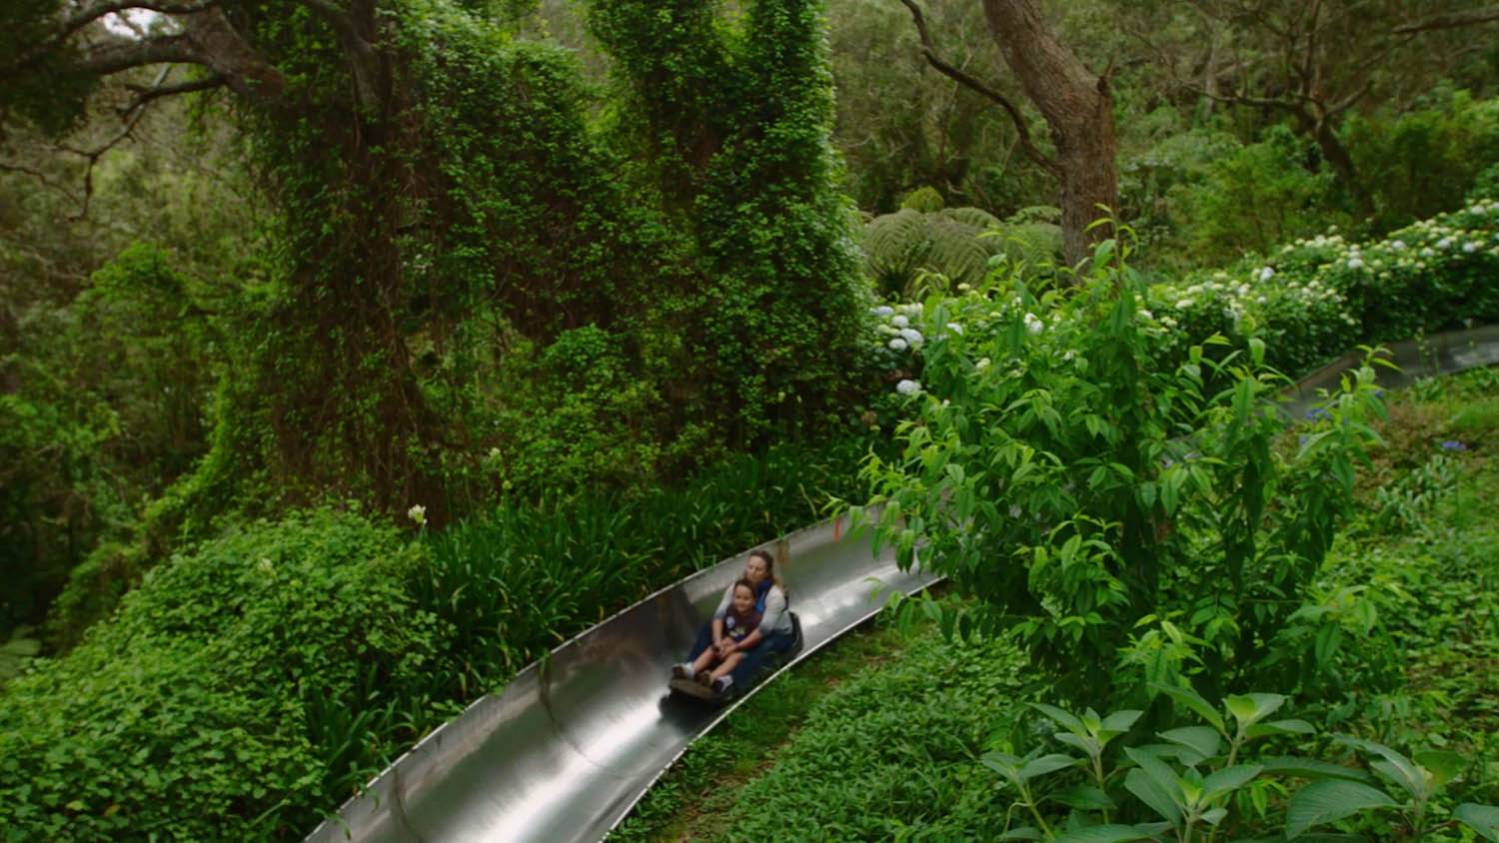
(573, 742)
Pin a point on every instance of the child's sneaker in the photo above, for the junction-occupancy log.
(681, 671)
(705, 678)
(723, 685)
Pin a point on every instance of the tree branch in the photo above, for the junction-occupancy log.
(362, 57)
(147, 94)
(1453, 21)
(1040, 158)
(122, 54)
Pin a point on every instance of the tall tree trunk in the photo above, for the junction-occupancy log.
(1079, 110)
(1325, 134)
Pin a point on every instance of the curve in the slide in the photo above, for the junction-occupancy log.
(574, 742)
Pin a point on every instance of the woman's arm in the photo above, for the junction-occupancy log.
(748, 642)
(775, 606)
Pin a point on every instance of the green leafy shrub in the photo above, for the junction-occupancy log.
(575, 415)
(1200, 780)
(1055, 471)
(1418, 163)
(102, 416)
(1257, 196)
(1316, 297)
(904, 249)
(235, 692)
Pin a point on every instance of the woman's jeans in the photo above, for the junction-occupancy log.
(754, 659)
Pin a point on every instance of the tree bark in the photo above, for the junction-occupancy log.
(1078, 109)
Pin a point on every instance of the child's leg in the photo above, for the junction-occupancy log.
(729, 663)
(704, 661)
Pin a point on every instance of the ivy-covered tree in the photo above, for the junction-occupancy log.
(450, 230)
(441, 196)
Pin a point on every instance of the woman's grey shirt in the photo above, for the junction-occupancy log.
(775, 618)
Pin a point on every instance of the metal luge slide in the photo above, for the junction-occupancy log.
(573, 742)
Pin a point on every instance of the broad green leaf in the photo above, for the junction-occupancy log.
(1120, 721)
(1229, 779)
(1104, 834)
(1215, 816)
(1146, 789)
(1328, 801)
(1003, 763)
(1046, 764)
(1311, 768)
(1193, 701)
(1086, 744)
(1066, 719)
(1201, 739)
(1085, 797)
(1444, 765)
(1182, 754)
(1281, 727)
(1250, 709)
(1483, 819)
(1024, 832)
(1397, 767)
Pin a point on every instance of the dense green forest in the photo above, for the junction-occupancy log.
(466, 322)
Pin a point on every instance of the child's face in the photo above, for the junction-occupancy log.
(744, 599)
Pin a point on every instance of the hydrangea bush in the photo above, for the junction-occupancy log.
(1318, 296)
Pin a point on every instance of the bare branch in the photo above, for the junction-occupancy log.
(1040, 158)
(94, 12)
(147, 94)
(40, 176)
(1453, 21)
(120, 54)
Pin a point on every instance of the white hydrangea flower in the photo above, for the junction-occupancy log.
(1183, 304)
(1034, 324)
(1355, 262)
(908, 387)
(1015, 512)
(1470, 247)
(955, 328)
(1428, 252)
(898, 344)
(417, 513)
(900, 321)
(1397, 245)
(1145, 314)
(882, 310)
(1444, 243)
(912, 336)
(982, 364)
(1266, 273)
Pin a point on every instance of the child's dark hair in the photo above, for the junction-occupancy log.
(746, 583)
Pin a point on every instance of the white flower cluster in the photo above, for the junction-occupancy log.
(895, 326)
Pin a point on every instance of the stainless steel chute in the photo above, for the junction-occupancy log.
(574, 741)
